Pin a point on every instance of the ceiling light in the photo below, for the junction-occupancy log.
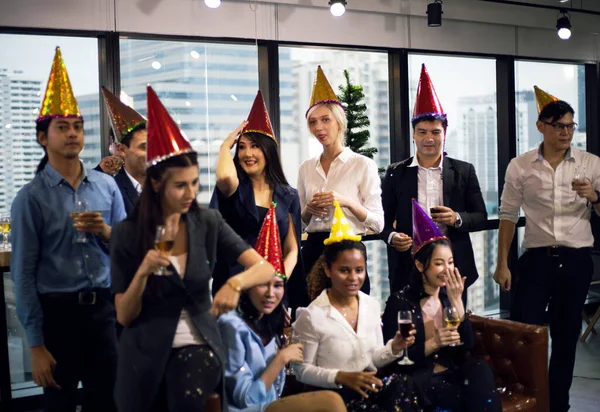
(156, 65)
(195, 54)
(234, 98)
(337, 7)
(213, 4)
(434, 13)
(563, 25)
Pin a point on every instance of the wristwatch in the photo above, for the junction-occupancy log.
(458, 222)
(597, 200)
(234, 284)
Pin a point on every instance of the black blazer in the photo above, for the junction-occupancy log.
(130, 195)
(146, 345)
(461, 193)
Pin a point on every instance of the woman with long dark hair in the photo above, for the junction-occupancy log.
(336, 174)
(248, 183)
(341, 331)
(171, 355)
(434, 296)
(255, 376)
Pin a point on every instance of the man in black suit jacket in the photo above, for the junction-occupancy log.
(129, 134)
(446, 188)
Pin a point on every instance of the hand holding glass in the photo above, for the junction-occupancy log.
(452, 320)
(5, 230)
(405, 325)
(163, 242)
(327, 217)
(80, 206)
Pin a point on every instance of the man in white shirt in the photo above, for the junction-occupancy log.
(557, 187)
(445, 188)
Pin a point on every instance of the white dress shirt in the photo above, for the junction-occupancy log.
(135, 183)
(352, 175)
(555, 215)
(331, 345)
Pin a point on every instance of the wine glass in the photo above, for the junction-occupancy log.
(327, 217)
(290, 336)
(452, 320)
(80, 206)
(5, 230)
(163, 242)
(405, 325)
(579, 176)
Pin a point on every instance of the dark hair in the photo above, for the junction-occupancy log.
(126, 140)
(42, 127)
(273, 170)
(317, 279)
(148, 211)
(417, 290)
(555, 111)
(430, 118)
(268, 326)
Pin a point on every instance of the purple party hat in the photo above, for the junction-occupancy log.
(425, 230)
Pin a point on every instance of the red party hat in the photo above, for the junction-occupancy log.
(268, 244)
(258, 119)
(165, 140)
(425, 230)
(427, 99)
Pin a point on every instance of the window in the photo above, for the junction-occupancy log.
(208, 89)
(297, 68)
(469, 100)
(24, 68)
(565, 81)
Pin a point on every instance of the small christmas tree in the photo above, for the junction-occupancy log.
(357, 133)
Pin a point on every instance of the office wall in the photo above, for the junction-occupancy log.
(468, 25)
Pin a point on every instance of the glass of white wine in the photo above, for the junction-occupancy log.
(80, 206)
(452, 320)
(405, 325)
(5, 230)
(163, 242)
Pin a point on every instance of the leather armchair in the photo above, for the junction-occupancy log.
(518, 356)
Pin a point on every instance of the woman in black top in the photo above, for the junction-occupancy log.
(442, 371)
(171, 355)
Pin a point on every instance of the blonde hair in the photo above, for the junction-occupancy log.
(338, 114)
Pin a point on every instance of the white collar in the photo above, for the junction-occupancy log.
(415, 163)
(136, 185)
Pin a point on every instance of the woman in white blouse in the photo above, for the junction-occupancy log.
(341, 332)
(337, 173)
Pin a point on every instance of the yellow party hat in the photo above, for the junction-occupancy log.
(543, 98)
(340, 228)
(322, 92)
(59, 100)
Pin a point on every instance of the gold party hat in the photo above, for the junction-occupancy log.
(59, 100)
(322, 92)
(543, 98)
(122, 117)
(340, 227)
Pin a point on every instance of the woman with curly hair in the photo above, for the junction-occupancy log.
(341, 332)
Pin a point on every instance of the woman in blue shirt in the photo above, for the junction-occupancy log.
(254, 375)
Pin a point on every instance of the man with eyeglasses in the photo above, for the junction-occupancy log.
(557, 186)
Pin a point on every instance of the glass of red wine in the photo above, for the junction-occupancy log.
(405, 325)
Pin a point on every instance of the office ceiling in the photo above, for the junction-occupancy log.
(582, 6)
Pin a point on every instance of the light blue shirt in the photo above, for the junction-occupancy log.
(45, 257)
(247, 359)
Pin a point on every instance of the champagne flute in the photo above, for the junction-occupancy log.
(579, 177)
(163, 242)
(405, 325)
(452, 320)
(80, 206)
(327, 217)
(5, 230)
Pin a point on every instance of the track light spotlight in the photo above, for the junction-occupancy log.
(213, 4)
(563, 25)
(337, 7)
(434, 13)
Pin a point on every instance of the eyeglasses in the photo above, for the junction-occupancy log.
(558, 127)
